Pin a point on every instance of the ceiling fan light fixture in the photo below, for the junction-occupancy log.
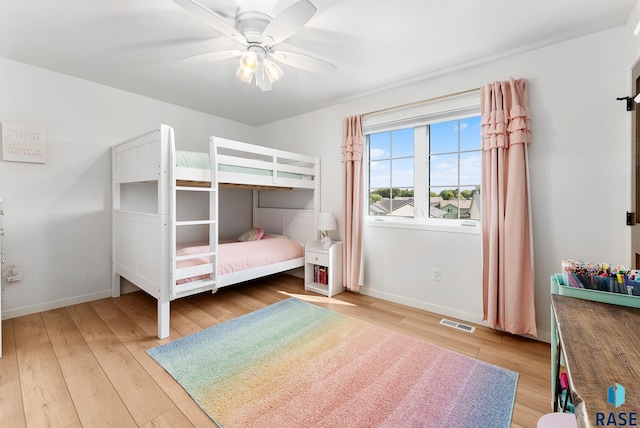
(244, 74)
(249, 61)
(272, 70)
(259, 33)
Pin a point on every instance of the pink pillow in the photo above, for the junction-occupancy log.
(251, 235)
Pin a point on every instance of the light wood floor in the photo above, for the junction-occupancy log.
(86, 365)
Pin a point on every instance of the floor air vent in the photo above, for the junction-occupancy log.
(457, 325)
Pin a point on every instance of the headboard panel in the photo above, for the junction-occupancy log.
(299, 225)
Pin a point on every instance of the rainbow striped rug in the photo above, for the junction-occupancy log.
(294, 364)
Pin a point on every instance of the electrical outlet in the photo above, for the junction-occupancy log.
(435, 274)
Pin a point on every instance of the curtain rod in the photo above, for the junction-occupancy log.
(415, 103)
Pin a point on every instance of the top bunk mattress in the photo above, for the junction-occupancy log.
(198, 160)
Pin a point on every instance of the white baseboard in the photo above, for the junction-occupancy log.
(441, 310)
(544, 336)
(419, 304)
(55, 304)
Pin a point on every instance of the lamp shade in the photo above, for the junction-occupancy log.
(326, 221)
(272, 70)
(245, 75)
(249, 61)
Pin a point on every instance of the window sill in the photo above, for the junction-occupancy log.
(470, 227)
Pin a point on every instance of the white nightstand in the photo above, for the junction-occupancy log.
(323, 268)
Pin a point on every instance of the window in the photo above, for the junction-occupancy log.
(425, 167)
(391, 173)
(454, 168)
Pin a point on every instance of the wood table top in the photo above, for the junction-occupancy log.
(601, 346)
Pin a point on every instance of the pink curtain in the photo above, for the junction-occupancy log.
(508, 287)
(353, 202)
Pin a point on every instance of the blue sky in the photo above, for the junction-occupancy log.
(444, 168)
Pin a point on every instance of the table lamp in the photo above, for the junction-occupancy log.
(326, 222)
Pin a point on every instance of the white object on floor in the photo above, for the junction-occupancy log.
(558, 420)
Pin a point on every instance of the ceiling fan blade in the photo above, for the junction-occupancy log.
(289, 21)
(223, 9)
(304, 62)
(212, 56)
(211, 18)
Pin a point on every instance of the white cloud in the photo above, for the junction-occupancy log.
(378, 181)
(378, 153)
(403, 178)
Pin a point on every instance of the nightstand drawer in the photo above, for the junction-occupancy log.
(317, 258)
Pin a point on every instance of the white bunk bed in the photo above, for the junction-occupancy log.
(145, 241)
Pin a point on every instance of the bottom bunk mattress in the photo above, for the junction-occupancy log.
(236, 256)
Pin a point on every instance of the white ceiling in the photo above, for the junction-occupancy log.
(136, 45)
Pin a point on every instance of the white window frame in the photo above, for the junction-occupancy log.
(419, 116)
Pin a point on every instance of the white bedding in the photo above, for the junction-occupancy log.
(199, 160)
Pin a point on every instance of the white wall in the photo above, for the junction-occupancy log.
(579, 174)
(58, 215)
(632, 41)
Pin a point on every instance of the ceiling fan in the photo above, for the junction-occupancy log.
(259, 33)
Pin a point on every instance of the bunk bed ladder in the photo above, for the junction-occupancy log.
(200, 277)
